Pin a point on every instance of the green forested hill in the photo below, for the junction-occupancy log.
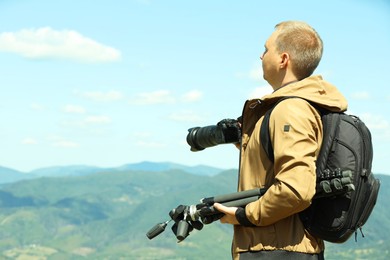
(106, 216)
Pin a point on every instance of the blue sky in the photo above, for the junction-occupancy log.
(106, 83)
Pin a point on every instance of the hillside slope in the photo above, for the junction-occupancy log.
(106, 216)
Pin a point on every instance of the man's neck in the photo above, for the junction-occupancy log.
(287, 80)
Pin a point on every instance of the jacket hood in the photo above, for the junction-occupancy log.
(313, 89)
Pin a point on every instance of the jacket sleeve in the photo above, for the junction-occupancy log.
(295, 130)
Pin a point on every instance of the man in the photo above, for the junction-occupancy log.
(270, 227)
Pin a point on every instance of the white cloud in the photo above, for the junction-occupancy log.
(255, 73)
(165, 97)
(37, 106)
(88, 122)
(100, 96)
(186, 116)
(260, 92)
(29, 141)
(58, 141)
(74, 109)
(375, 121)
(361, 95)
(152, 98)
(98, 119)
(47, 43)
(192, 96)
(378, 124)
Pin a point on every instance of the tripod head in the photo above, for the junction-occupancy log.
(190, 217)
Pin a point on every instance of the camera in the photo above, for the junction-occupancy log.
(226, 131)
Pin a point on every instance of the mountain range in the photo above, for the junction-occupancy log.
(95, 213)
(8, 175)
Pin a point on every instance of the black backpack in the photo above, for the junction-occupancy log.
(346, 188)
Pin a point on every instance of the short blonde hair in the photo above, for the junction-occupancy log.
(302, 43)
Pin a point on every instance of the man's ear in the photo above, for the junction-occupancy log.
(285, 59)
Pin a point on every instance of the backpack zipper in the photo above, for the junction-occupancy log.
(356, 174)
(367, 149)
(372, 197)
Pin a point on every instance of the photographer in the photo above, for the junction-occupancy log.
(271, 227)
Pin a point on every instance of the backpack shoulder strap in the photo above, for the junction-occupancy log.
(265, 137)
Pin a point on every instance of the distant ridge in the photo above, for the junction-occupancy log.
(8, 175)
(71, 170)
(167, 166)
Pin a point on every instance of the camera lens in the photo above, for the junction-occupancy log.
(226, 131)
(200, 138)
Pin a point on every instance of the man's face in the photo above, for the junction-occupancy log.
(271, 61)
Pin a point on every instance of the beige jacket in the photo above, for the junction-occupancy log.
(296, 134)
